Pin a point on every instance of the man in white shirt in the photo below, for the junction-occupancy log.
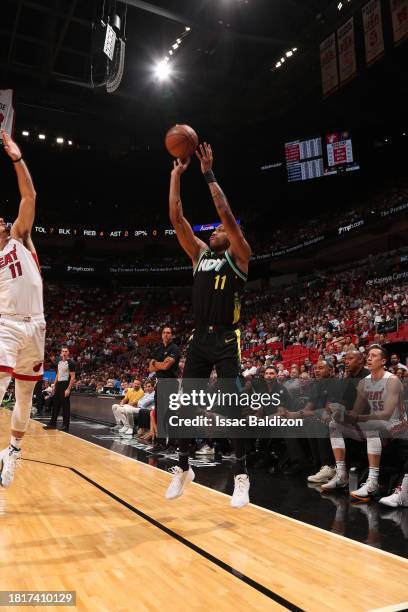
(395, 361)
(127, 413)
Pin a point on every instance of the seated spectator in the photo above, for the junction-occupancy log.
(128, 412)
(133, 395)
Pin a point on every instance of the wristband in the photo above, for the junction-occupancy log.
(15, 161)
(209, 177)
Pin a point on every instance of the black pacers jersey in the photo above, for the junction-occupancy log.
(217, 289)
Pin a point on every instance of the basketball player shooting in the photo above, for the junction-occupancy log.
(220, 273)
(22, 324)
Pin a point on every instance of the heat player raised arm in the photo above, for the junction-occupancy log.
(21, 229)
(239, 248)
(192, 245)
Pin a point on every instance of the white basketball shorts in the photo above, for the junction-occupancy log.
(22, 341)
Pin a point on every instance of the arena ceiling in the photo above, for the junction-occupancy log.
(224, 77)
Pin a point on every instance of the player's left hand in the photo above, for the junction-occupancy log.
(205, 155)
(10, 146)
(67, 393)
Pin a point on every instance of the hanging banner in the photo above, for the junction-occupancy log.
(347, 51)
(328, 64)
(373, 31)
(399, 13)
(6, 111)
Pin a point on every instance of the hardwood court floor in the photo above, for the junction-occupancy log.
(101, 527)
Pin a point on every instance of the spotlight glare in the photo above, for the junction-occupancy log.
(163, 70)
(41, 136)
(25, 133)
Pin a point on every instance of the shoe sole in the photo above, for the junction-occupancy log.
(367, 498)
(333, 490)
(239, 507)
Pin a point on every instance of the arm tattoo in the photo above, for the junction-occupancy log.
(220, 199)
(179, 210)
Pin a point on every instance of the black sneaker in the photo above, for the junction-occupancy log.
(50, 426)
(158, 448)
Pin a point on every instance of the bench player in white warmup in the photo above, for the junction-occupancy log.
(22, 324)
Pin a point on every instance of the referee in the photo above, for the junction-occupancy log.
(63, 385)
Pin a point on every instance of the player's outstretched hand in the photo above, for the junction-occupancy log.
(10, 146)
(180, 166)
(205, 155)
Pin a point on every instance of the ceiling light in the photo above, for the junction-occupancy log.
(162, 70)
(340, 6)
(171, 52)
(24, 133)
(178, 41)
(282, 59)
(294, 49)
(188, 28)
(289, 53)
(41, 136)
(278, 64)
(70, 143)
(60, 140)
(175, 46)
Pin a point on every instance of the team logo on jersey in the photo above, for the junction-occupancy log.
(9, 257)
(208, 265)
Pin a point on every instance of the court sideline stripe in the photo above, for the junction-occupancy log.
(224, 566)
(363, 545)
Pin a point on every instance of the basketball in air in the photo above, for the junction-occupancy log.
(181, 141)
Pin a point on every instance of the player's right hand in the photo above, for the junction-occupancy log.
(10, 146)
(180, 166)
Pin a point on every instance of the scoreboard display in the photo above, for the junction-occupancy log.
(306, 159)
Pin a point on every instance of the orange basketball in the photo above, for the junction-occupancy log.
(181, 141)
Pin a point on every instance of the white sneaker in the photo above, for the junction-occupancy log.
(179, 481)
(240, 496)
(8, 465)
(367, 490)
(128, 432)
(229, 456)
(123, 429)
(395, 499)
(325, 474)
(205, 450)
(335, 483)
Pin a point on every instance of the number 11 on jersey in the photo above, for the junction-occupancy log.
(217, 281)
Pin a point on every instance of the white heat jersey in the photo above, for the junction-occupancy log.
(21, 287)
(375, 393)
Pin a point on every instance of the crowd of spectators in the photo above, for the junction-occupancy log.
(110, 332)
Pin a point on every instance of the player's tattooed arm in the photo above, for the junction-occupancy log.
(185, 235)
(239, 248)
